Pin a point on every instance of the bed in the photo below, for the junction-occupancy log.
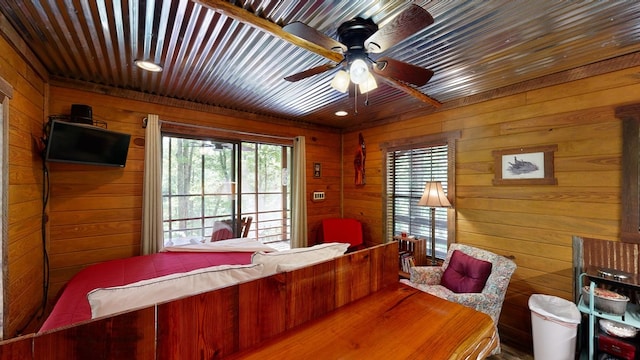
(298, 301)
(73, 307)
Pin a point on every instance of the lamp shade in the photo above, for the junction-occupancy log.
(359, 71)
(434, 196)
(340, 82)
(368, 85)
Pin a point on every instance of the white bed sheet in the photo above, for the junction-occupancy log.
(228, 245)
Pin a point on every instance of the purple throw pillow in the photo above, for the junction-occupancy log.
(465, 274)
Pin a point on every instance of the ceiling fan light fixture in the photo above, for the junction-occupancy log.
(340, 82)
(359, 71)
(368, 85)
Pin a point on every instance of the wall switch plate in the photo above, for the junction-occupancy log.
(318, 195)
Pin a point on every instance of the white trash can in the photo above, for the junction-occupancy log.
(554, 322)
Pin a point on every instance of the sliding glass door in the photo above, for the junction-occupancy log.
(198, 186)
(208, 184)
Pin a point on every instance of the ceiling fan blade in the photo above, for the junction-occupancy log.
(249, 18)
(407, 23)
(411, 91)
(308, 33)
(310, 72)
(402, 71)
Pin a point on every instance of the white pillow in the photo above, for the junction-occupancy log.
(107, 301)
(299, 257)
(289, 267)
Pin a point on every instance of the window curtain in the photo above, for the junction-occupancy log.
(299, 190)
(152, 239)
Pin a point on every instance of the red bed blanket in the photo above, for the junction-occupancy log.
(72, 305)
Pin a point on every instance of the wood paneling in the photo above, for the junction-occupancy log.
(23, 286)
(531, 224)
(384, 265)
(630, 116)
(306, 297)
(17, 348)
(130, 335)
(258, 319)
(353, 277)
(199, 327)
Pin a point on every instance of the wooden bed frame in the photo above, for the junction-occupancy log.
(334, 302)
(222, 322)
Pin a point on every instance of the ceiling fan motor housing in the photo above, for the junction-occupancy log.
(354, 32)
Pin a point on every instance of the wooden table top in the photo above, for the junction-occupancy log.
(397, 322)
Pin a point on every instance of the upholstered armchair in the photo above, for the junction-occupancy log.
(488, 300)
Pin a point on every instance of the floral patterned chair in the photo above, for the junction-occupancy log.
(488, 301)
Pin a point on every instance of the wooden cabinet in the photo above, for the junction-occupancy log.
(411, 252)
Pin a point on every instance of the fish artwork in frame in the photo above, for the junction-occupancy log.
(525, 166)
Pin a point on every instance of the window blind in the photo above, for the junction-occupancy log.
(408, 170)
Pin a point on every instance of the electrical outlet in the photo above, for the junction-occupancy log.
(318, 195)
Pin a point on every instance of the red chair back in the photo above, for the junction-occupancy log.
(221, 231)
(342, 230)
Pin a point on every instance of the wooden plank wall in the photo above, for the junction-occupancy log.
(609, 255)
(219, 323)
(532, 224)
(95, 212)
(23, 245)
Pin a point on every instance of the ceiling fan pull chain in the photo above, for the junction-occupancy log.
(355, 97)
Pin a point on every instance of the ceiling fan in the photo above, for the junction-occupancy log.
(361, 37)
(405, 24)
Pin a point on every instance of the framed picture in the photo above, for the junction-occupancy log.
(525, 166)
(317, 170)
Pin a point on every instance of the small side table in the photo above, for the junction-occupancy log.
(411, 251)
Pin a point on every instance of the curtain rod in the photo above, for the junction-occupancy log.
(144, 125)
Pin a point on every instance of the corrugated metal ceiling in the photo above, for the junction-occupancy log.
(209, 58)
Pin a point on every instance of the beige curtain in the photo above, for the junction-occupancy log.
(152, 239)
(299, 191)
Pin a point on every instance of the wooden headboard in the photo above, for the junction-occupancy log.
(218, 323)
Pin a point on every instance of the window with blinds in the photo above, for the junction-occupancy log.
(408, 170)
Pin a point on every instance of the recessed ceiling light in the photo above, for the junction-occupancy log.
(148, 65)
(341, 113)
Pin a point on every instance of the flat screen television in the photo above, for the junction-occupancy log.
(86, 144)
